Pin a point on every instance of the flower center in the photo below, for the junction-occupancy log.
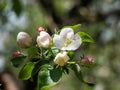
(68, 42)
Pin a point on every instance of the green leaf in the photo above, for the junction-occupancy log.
(26, 71)
(32, 52)
(85, 37)
(44, 80)
(55, 50)
(18, 61)
(65, 69)
(56, 74)
(38, 66)
(74, 27)
(77, 71)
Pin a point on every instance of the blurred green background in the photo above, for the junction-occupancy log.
(99, 18)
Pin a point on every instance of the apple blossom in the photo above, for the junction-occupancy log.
(44, 40)
(52, 56)
(67, 40)
(61, 58)
(24, 40)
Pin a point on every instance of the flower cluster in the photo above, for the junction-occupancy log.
(51, 55)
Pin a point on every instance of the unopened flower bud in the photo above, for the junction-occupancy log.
(40, 29)
(16, 54)
(87, 61)
(61, 58)
(24, 40)
(44, 40)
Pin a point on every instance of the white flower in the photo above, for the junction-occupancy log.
(66, 40)
(44, 40)
(24, 40)
(61, 58)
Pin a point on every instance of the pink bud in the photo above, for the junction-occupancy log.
(15, 54)
(24, 40)
(40, 29)
(87, 61)
(44, 40)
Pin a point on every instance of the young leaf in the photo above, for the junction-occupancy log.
(38, 66)
(65, 70)
(26, 71)
(44, 80)
(74, 27)
(77, 71)
(55, 50)
(85, 37)
(56, 74)
(49, 86)
(18, 61)
(32, 52)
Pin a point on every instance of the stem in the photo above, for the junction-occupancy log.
(52, 52)
(42, 54)
(71, 62)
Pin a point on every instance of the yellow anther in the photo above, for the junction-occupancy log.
(67, 42)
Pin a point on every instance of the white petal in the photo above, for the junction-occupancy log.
(61, 58)
(64, 48)
(43, 41)
(77, 41)
(58, 41)
(45, 34)
(67, 33)
(38, 41)
(66, 58)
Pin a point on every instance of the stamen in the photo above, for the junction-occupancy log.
(67, 42)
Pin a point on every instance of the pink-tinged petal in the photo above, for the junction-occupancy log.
(67, 33)
(39, 41)
(58, 41)
(40, 29)
(43, 42)
(24, 40)
(87, 61)
(44, 39)
(75, 44)
(45, 34)
(66, 58)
